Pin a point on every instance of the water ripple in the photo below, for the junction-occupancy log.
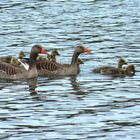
(88, 106)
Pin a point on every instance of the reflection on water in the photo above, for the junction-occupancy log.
(32, 86)
(86, 106)
(32, 83)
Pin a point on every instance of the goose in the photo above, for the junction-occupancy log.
(6, 59)
(128, 71)
(49, 68)
(8, 71)
(12, 59)
(21, 55)
(52, 56)
(79, 62)
(105, 69)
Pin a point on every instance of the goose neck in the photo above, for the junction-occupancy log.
(32, 60)
(74, 58)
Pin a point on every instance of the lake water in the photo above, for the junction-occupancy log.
(86, 107)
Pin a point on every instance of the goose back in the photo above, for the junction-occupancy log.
(6, 59)
(7, 71)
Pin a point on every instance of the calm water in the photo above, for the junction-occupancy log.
(86, 107)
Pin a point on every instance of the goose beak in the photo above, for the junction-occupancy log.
(44, 51)
(86, 50)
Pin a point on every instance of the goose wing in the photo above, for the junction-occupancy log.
(48, 65)
(8, 69)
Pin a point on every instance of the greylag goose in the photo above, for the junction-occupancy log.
(8, 71)
(105, 69)
(21, 55)
(6, 59)
(79, 62)
(52, 56)
(49, 68)
(12, 59)
(128, 71)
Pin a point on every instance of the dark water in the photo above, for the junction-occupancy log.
(86, 107)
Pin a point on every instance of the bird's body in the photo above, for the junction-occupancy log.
(52, 68)
(108, 69)
(9, 71)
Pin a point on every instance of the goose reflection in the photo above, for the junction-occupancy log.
(77, 89)
(32, 83)
(74, 83)
(46, 86)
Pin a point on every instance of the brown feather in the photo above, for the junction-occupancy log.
(9, 69)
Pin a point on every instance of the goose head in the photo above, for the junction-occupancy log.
(80, 61)
(78, 50)
(36, 49)
(121, 62)
(81, 49)
(130, 70)
(21, 55)
(54, 52)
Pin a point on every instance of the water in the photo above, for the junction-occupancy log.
(88, 106)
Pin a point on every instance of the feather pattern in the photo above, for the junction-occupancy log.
(9, 69)
(47, 65)
(49, 68)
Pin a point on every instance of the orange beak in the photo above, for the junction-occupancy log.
(86, 50)
(44, 51)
